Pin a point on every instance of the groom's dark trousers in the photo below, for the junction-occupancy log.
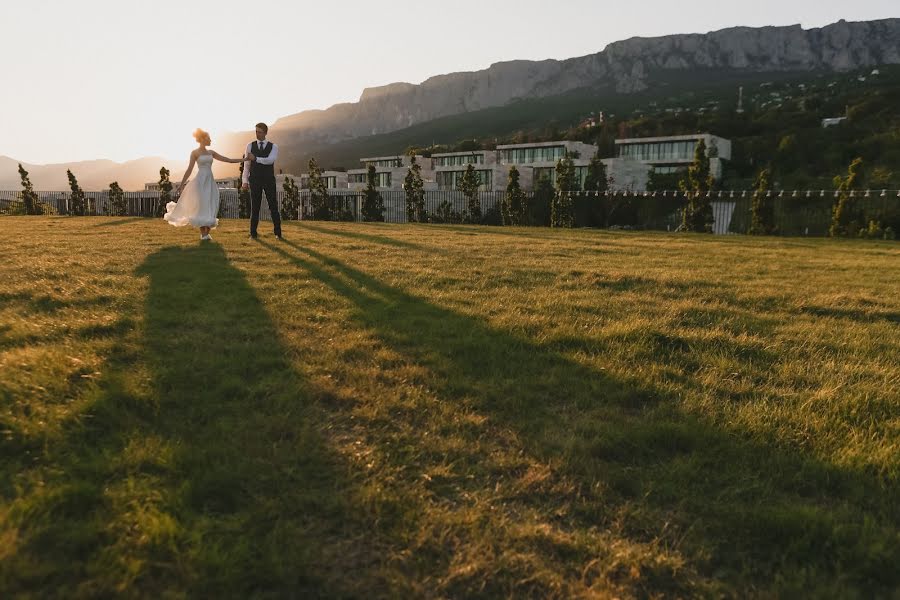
(257, 188)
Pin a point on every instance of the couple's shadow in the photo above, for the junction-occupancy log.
(729, 501)
(196, 467)
(204, 439)
(264, 495)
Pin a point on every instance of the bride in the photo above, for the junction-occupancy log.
(198, 201)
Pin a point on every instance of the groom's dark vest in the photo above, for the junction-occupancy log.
(260, 172)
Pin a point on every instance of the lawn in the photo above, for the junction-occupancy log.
(371, 410)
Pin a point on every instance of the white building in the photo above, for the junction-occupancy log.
(444, 170)
(230, 183)
(674, 153)
(537, 160)
(449, 168)
(334, 180)
(830, 121)
(389, 172)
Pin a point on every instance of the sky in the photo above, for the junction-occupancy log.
(123, 79)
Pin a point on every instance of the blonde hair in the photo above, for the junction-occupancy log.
(200, 135)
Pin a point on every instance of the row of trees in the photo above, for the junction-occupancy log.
(325, 207)
(78, 205)
(847, 218)
(695, 184)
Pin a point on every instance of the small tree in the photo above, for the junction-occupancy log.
(318, 193)
(373, 203)
(543, 201)
(762, 210)
(165, 191)
(697, 214)
(415, 193)
(562, 213)
(78, 205)
(243, 195)
(291, 207)
(117, 206)
(29, 196)
(445, 214)
(845, 217)
(468, 185)
(596, 180)
(515, 207)
(657, 182)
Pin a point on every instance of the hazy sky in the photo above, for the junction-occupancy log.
(122, 79)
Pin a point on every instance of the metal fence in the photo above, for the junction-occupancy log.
(796, 213)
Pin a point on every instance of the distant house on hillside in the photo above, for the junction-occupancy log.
(829, 121)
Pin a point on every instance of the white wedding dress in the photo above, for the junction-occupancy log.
(198, 204)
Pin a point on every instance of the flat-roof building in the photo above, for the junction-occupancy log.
(673, 153)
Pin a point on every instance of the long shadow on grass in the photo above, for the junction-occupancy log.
(197, 470)
(365, 237)
(115, 221)
(742, 512)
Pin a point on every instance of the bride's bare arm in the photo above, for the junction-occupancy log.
(189, 170)
(218, 156)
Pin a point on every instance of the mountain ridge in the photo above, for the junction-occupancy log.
(622, 68)
(625, 66)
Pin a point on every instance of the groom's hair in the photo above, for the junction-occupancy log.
(263, 126)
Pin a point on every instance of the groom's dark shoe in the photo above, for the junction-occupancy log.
(253, 236)
(279, 237)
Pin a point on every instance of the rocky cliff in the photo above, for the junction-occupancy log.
(625, 66)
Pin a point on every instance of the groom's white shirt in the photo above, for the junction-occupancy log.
(267, 160)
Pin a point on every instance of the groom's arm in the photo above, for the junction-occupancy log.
(245, 179)
(270, 159)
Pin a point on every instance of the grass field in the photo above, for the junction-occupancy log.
(438, 411)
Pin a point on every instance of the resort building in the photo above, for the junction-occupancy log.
(449, 168)
(231, 183)
(629, 170)
(389, 172)
(674, 153)
(537, 160)
(334, 180)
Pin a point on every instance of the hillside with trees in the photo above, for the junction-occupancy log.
(780, 126)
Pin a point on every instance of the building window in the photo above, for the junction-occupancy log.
(668, 170)
(659, 151)
(520, 156)
(330, 181)
(456, 161)
(550, 173)
(381, 179)
(449, 180)
(390, 163)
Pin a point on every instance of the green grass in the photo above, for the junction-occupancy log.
(370, 410)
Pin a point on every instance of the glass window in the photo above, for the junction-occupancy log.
(449, 180)
(387, 162)
(381, 179)
(461, 160)
(532, 155)
(550, 173)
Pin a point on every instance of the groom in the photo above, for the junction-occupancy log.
(259, 176)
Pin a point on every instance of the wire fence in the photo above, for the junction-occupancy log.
(796, 213)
